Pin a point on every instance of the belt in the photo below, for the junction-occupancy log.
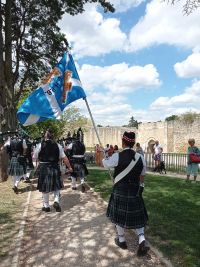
(48, 162)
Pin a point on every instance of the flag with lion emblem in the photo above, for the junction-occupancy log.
(58, 89)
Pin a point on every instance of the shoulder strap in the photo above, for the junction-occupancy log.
(128, 168)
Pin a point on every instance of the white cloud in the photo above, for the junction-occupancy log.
(113, 109)
(188, 100)
(119, 78)
(124, 5)
(107, 109)
(92, 35)
(189, 67)
(165, 24)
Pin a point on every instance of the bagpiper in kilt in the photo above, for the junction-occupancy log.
(126, 207)
(76, 150)
(49, 175)
(17, 167)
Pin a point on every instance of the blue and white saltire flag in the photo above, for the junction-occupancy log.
(60, 88)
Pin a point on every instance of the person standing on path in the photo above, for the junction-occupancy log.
(49, 175)
(157, 155)
(192, 168)
(126, 207)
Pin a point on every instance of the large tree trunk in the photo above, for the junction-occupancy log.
(7, 109)
(3, 166)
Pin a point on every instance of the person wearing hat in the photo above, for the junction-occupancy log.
(48, 152)
(126, 207)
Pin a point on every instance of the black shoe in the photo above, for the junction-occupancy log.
(57, 206)
(15, 189)
(74, 188)
(142, 250)
(46, 209)
(82, 188)
(122, 245)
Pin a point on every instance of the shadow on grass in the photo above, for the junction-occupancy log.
(174, 211)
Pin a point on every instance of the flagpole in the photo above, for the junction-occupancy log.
(95, 128)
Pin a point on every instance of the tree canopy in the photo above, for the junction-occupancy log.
(187, 117)
(132, 123)
(189, 5)
(30, 43)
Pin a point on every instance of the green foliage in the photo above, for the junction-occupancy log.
(189, 117)
(73, 119)
(30, 44)
(37, 130)
(132, 123)
(172, 118)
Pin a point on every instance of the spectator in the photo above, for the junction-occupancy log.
(157, 153)
(106, 149)
(116, 149)
(110, 151)
(139, 149)
(192, 168)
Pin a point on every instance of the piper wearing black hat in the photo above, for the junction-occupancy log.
(126, 206)
(49, 175)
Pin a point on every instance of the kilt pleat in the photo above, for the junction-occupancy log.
(15, 169)
(126, 208)
(49, 178)
(78, 170)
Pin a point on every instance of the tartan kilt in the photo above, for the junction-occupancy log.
(125, 208)
(78, 170)
(16, 169)
(49, 177)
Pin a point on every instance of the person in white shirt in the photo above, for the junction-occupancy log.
(157, 154)
(126, 207)
(49, 175)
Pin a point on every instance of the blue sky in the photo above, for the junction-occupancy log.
(141, 61)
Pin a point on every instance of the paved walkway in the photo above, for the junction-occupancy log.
(79, 236)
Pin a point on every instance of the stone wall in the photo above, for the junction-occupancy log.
(107, 135)
(172, 135)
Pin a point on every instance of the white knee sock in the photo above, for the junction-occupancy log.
(27, 175)
(73, 182)
(82, 180)
(140, 233)
(57, 196)
(16, 180)
(45, 197)
(120, 233)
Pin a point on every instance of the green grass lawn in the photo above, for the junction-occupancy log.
(11, 208)
(174, 215)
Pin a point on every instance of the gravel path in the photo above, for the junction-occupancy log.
(80, 235)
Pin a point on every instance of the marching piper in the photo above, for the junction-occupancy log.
(77, 160)
(126, 207)
(16, 148)
(48, 152)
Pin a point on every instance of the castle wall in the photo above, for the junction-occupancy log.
(182, 132)
(172, 135)
(152, 131)
(107, 135)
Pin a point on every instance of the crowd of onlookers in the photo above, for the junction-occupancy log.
(109, 150)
